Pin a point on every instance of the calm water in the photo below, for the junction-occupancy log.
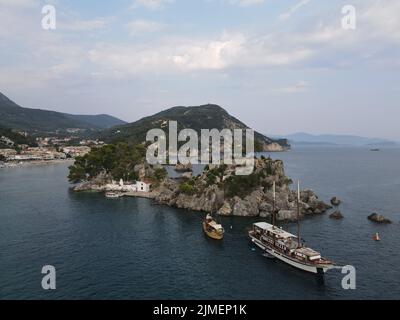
(133, 249)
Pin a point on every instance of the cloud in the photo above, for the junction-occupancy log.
(151, 4)
(230, 50)
(299, 87)
(85, 25)
(49, 55)
(383, 19)
(293, 10)
(18, 3)
(240, 3)
(140, 27)
(246, 3)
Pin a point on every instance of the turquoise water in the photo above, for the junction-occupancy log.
(133, 249)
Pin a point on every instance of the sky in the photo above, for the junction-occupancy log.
(280, 66)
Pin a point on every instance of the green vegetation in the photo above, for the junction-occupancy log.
(241, 185)
(117, 160)
(265, 172)
(261, 177)
(214, 174)
(17, 138)
(160, 174)
(189, 187)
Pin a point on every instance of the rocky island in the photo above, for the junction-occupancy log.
(216, 189)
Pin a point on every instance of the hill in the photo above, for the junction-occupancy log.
(102, 121)
(196, 118)
(40, 121)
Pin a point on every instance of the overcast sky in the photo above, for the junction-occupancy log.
(281, 66)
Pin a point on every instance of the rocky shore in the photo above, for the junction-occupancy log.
(257, 204)
(217, 189)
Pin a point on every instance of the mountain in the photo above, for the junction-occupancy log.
(199, 117)
(43, 121)
(103, 121)
(302, 138)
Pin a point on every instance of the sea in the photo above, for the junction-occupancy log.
(133, 248)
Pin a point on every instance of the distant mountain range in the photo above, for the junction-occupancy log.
(198, 117)
(37, 121)
(302, 138)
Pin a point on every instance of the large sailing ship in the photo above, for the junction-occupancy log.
(289, 248)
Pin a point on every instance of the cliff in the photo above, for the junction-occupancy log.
(218, 190)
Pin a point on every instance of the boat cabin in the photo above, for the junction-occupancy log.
(307, 254)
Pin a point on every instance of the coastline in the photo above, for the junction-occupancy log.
(218, 189)
(35, 163)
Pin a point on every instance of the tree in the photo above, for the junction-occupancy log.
(160, 174)
(117, 160)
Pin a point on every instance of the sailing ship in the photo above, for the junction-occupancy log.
(287, 247)
(212, 229)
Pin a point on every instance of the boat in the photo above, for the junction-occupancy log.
(376, 237)
(375, 150)
(212, 229)
(113, 195)
(287, 247)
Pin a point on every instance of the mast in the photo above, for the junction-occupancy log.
(273, 205)
(298, 215)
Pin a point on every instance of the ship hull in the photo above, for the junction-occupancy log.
(291, 262)
(212, 234)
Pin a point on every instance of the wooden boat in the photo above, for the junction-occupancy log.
(287, 247)
(212, 229)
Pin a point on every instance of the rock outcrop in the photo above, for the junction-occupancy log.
(336, 215)
(219, 190)
(335, 201)
(378, 218)
(183, 167)
(211, 192)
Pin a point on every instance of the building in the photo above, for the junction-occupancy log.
(32, 154)
(138, 186)
(7, 153)
(7, 141)
(142, 186)
(76, 151)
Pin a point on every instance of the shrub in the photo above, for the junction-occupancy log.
(187, 188)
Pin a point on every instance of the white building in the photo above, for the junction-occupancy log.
(142, 186)
(139, 186)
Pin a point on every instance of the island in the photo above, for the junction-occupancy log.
(216, 189)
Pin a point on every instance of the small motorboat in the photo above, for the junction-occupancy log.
(376, 237)
(212, 229)
(113, 195)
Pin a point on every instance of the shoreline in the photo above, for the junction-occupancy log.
(34, 163)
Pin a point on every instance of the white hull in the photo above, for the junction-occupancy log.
(293, 263)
